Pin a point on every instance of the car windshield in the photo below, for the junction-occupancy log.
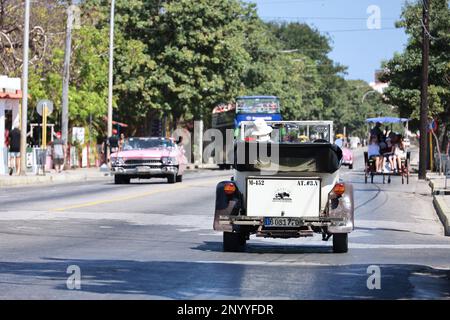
(293, 132)
(146, 143)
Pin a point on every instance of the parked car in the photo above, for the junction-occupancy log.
(347, 157)
(145, 158)
(294, 194)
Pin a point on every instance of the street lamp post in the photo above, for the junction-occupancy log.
(66, 80)
(111, 69)
(111, 75)
(366, 94)
(23, 136)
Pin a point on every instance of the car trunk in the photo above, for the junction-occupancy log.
(286, 180)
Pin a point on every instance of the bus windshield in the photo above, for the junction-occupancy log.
(258, 105)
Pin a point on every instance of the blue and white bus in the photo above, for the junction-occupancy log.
(246, 108)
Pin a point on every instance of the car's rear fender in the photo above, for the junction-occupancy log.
(226, 205)
(342, 207)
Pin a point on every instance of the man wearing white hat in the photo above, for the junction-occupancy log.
(261, 131)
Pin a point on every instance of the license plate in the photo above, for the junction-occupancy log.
(283, 197)
(282, 222)
(142, 169)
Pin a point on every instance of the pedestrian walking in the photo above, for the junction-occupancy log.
(59, 152)
(121, 141)
(14, 151)
(114, 142)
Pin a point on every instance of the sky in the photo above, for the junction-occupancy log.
(346, 22)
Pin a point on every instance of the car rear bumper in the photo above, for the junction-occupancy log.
(333, 225)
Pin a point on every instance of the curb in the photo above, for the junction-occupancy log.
(49, 179)
(439, 192)
(443, 212)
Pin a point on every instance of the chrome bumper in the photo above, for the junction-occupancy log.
(164, 170)
(303, 221)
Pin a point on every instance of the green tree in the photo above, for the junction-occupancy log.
(199, 49)
(403, 71)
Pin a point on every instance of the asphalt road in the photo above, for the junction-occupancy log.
(153, 240)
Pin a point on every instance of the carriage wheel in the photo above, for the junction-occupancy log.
(389, 179)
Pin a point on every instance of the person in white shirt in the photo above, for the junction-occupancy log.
(373, 152)
(339, 140)
(355, 142)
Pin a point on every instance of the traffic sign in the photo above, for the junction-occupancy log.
(433, 126)
(42, 104)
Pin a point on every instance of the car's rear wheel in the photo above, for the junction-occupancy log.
(340, 242)
(233, 242)
(179, 179)
(171, 179)
(350, 166)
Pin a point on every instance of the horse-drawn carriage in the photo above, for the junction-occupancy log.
(370, 163)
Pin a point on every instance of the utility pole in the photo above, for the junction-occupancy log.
(111, 74)
(424, 91)
(66, 79)
(23, 129)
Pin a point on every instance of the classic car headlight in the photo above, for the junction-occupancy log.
(169, 160)
(117, 161)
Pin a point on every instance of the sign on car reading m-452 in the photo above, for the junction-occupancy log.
(283, 197)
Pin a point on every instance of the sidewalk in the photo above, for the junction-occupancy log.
(441, 195)
(441, 198)
(75, 175)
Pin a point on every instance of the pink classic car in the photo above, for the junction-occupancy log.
(347, 157)
(145, 158)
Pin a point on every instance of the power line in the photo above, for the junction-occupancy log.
(288, 1)
(323, 18)
(361, 30)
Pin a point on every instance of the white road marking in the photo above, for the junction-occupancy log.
(266, 263)
(398, 246)
(289, 263)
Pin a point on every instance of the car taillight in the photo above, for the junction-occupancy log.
(339, 189)
(229, 189)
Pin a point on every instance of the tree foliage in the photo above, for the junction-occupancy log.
(403, 71)
(179, 59)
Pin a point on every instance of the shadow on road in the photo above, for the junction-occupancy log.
(189, 280)
(268, 248)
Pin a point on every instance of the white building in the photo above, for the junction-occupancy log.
(10, 96)
(377, 85)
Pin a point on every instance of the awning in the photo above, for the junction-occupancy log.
(387, 120)
(120, 124)
(11, 95)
